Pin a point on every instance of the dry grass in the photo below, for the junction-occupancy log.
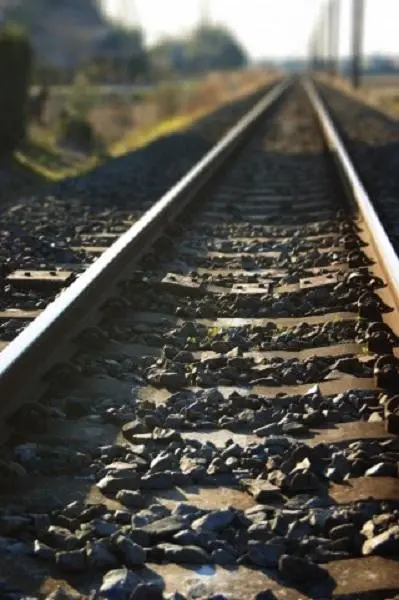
(380, 92)
(124, 124)
(193, 101)
(41, 154)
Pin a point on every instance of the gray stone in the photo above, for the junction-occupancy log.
(163, 461)
(300, 570)
(157, 481)
(278, 443)
(112, 485)
(123, 517)
(103, 528)
(126, 469)
(216, 520)
(73, 561)
(61, 538)
(99, 557)
(261, 530)
(347, 530)
(302, 482)
(294, 429)
(43, 551)
(185, 554)
(266, 430)
(131, 499)
(264, 492)
(378, 524)
(172, 380)
(186, 537)
(384, 544)
(383, 469)
(133, 427)
(187, 511)
(119, 584)
(130, 553)
(164, 529)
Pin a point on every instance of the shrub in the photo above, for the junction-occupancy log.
(76, 131)
(15, 73)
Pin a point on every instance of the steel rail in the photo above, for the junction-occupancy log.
(387, 256)
(25, 361)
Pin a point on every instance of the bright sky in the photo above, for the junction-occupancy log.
(267, 28)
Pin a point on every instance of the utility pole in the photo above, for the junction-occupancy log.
(333, 35)
(204, 13)
(357, 41)
(330, 43)
(336, 35)
(324, 40)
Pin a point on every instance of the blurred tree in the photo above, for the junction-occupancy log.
(208, 48)
(214, 48)
(123, 50)
(15, 72)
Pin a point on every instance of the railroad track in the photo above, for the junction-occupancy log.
(210, 408)
(50, 237)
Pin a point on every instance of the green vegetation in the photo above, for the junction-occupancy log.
(206, 49)
(15, 72)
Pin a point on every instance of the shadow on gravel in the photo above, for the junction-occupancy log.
(322, 589)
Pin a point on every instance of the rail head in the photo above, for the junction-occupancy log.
(30, 355)
(382, 244)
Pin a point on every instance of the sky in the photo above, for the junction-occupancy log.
(267, 28)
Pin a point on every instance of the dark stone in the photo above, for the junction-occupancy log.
(147, 591)
(383, 469)
(294, 429)
(130, 553)
(300, 570)
(216, 520)
(71, 561)
(264, 492)
(266, 595)
(384, 544)
(164, 529)
(131, 499)
(99, 557)
(266, 555)
(119, 584)
(111, 485)
(43, 551)
(157, 481)
(223, 557)
(340, 531)
(172, 380)
(302, 482)
(60, 538)
(184, 554)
